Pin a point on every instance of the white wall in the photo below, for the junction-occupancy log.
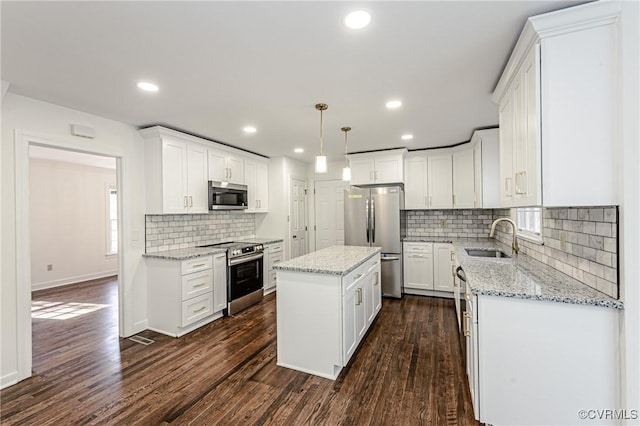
(630, 209)
(49, 124)
(274, 223)
(69, 214)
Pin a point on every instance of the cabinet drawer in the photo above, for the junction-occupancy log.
(274, 258)
(275, 248)
(197, 283)
(418, 247)
(353, 277)
(197, 264)
(197, 308)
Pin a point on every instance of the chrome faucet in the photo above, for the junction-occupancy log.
(514, 245)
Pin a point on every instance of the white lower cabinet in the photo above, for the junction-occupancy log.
(428, 268)
(185, 294)
(273, 254)
(540, 362)
(322, 318)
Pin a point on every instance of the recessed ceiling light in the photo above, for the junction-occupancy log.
(357, 20)
(298, 150)
(249, 129)
(147, 87)
(393, 104)
(407, 137)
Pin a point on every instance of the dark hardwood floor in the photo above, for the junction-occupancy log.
(408, 370)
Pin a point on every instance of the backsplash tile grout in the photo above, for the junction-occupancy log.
(169, 232)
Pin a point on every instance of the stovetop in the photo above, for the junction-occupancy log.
(236, 249)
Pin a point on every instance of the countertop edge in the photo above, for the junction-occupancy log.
(182, 254)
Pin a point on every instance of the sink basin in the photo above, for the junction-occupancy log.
(481, 252)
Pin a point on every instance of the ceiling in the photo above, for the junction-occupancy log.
(223, 65)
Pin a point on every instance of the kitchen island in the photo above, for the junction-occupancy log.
(326, 302)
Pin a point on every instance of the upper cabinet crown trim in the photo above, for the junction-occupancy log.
(159, 132)
(552, 24)
(402, 151)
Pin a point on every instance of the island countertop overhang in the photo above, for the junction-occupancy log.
(334, 260)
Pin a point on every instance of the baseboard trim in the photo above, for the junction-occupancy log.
(72, 280)
(9, 380)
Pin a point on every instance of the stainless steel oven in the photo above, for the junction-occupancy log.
(244, 280)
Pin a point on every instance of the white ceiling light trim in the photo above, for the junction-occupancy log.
(357, 19)
(147, 86)
(393, 104)
(298, 150)
(249, 129)
(407, 137)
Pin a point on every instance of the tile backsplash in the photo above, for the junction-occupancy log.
(581, 242)
(471, 223)
(168, 232)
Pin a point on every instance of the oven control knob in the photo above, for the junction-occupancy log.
(234, 252)
(259, 247)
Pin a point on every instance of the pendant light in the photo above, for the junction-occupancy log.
(321, 160)
(346, 170)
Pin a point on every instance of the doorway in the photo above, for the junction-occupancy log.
(297, 217)
(329, 214)
(22, 143)
(73, 228)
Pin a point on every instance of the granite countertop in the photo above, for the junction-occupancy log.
(335, 260)
(524, 278)
(186, 253)
(261, 240)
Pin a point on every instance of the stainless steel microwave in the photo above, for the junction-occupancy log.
(227, 196)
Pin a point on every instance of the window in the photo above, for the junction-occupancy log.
(112, 220)
(529, 222)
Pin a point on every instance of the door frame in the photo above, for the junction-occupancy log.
(306, 211)
(22, 141)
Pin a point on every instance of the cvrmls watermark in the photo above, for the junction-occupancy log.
(606, 414)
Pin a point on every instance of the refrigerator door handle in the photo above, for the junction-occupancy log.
(389, 258)
(373, 219)
(367, 217)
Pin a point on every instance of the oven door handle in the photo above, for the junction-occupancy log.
(244, 259)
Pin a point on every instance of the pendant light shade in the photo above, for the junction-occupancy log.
(346, 170)
(321, 160)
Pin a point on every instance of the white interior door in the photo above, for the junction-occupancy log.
(297, 218)
(329, 202)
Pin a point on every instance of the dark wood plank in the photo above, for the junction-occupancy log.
(408, 370)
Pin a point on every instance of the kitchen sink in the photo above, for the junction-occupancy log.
(482, 252)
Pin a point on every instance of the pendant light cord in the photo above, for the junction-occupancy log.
(321, 132)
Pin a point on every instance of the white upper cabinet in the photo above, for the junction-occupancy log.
(557, 109)
(256, 175)
(377, 167)
(464, 187)
(225, 167)
(176, 173)
(415, 183)
(486, 160)
(439, 180)
(178, 167)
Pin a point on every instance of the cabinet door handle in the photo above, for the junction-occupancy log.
(200, 309)
(199, 285)
(359, 296)
(453, 199)
(190, 201)
(520, 178)
(465, 324)
(230, 173)
(199, 265)
(453, 270)
(377, 278)
(507, 187)
(186, 202)
(452, 254)
(430, 200)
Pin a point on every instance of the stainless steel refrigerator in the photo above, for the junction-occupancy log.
(372, 218)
